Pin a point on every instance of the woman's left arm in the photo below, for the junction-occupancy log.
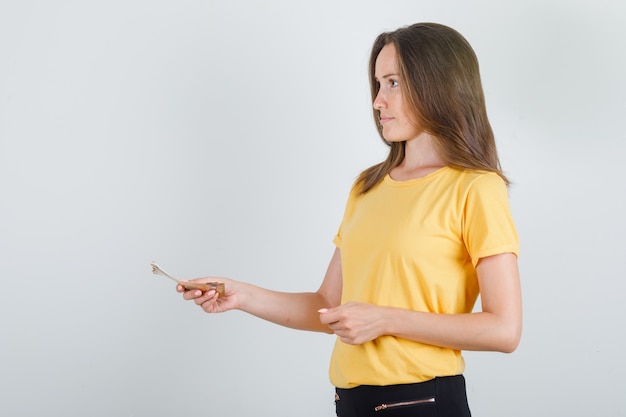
(497, 327)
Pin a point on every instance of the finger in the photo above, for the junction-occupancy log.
(348, 341)
(192, 294)
(209, 306)
(207, 296)
(329, 315)
(206, 306)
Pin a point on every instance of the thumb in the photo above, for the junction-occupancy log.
(326, 315)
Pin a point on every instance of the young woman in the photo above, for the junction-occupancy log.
(423, 233)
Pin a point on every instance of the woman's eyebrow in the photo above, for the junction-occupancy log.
(386, 76)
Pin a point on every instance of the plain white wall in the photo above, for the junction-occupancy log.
(221, 138)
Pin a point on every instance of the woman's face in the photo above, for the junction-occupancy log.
(395, 118)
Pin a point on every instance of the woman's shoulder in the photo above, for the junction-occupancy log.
(468, 182)
(476, 177)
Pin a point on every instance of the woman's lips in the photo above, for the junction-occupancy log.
(384, 119)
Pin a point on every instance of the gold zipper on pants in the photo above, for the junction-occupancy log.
(403, 403)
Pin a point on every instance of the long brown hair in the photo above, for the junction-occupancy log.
(440, 81)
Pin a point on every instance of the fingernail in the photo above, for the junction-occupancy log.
(322, 310)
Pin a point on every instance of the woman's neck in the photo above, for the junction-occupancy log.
(420, 159)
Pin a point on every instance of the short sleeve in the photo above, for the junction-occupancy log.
(488, 226)
(348, 210)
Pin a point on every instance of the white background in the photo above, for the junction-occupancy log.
(222, 138)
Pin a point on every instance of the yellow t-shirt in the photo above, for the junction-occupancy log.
(415, 244)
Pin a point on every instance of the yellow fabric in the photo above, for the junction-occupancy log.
(415, 244)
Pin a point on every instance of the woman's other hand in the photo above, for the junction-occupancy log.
(355, 323)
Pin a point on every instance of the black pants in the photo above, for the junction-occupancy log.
(439, 397)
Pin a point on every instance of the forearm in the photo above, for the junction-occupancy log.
(482, 331)
(294, 310)
(497, 327)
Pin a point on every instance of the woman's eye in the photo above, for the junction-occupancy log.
(393, 83)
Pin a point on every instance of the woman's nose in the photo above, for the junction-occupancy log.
(379, 102)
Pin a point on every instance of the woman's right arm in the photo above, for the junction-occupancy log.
(294, 310)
